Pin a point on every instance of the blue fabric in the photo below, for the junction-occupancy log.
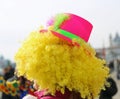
(23, 93)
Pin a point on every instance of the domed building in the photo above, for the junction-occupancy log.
(113, 51)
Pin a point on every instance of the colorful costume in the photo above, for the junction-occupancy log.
(11, 88)
(15, 88)
(59, 58)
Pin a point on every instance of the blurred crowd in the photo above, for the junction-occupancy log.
(21, 86)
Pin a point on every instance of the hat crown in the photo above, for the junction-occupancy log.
(73, 24)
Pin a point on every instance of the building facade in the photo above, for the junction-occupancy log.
(113, 51)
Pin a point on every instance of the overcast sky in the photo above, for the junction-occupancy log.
(19, 17)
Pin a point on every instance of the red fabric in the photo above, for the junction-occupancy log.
(31, 92)
(58, 95)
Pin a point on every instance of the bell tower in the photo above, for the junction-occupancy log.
(110, 40)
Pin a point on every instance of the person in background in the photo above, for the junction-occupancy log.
(118, 69)
(110, 91)
(8, 72)
(8, 75)
(26, 87)
(111, 66)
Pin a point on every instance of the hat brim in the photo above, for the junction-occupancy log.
(61, 36)
(64, 37)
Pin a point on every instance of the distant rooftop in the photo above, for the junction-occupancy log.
(117, 38)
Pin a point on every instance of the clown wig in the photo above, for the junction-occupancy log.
(56, 64)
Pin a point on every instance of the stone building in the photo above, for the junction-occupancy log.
(113, 51)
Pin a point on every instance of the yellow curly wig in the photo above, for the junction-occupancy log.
(56, 64)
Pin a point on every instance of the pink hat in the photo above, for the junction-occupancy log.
(69, 26)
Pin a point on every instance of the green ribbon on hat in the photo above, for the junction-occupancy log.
(67, 34)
